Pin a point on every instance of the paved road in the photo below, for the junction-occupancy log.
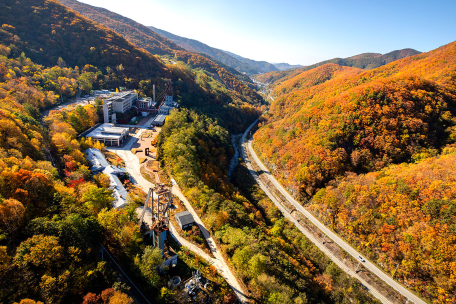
(133, 168)
(384, 277)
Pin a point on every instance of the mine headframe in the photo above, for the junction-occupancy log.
(158, 202)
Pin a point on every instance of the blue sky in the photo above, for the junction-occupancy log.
(298, 32)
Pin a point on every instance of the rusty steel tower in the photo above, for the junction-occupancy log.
(158, 201)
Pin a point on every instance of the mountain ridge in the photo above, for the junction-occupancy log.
(363, 61)
(145, 38)
(366, 149)
(283, 66)
(196, 46)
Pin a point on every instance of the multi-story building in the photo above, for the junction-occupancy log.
(108, 113)
(122, 102)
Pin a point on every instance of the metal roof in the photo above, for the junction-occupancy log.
(107, 130)
(119, 192)
(99, 163)
(96, 159)
(184, 218)
(160, 118)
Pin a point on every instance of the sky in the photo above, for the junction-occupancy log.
(298, 31)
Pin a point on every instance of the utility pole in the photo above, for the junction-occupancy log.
(396, 269)
(323, 241)
(356, 270)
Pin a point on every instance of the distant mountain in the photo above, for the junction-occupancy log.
(366, 61)
(244, 65)
(263, 66)
(149, 40)
(199, 47)
(285, 66)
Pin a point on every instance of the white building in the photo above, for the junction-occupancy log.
(122, 102)
(108, 113)
(118, 191)
(108, 134)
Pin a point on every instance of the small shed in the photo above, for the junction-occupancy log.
(184, 219)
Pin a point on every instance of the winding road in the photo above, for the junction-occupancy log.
(133, 168)
(384, 277)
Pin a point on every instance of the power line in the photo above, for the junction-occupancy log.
(103, 248)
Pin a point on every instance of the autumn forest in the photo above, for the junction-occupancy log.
(367, 144)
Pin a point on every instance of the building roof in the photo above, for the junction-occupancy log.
(166, 107)
(96, 159)
(114, 170)
(184, 218)
(120, 96)
(99, 163)
(107, 130)
(119, 192)
(160, 118)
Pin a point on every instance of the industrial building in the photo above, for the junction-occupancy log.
(108, 134)
(100, 164)
(122, 102)
(164, 109)
(184, 219)
(159, 120)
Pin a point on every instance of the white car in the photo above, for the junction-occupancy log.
(361, 259)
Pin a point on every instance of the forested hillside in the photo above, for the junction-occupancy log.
(365, 61)
(143, 36)
(87, 44)
(331, 125)
(262, 66)
(49, 225)
(53, 212)
(270, 256)
(199, 47)
(45, 31)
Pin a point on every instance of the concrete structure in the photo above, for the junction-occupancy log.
(123, 101)
(167, 105)
(159, 120)
(164, 109)
(108, 113)
(184, 219)
(168, 100)
(100, 164)
(108, 134)
(144, 103)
